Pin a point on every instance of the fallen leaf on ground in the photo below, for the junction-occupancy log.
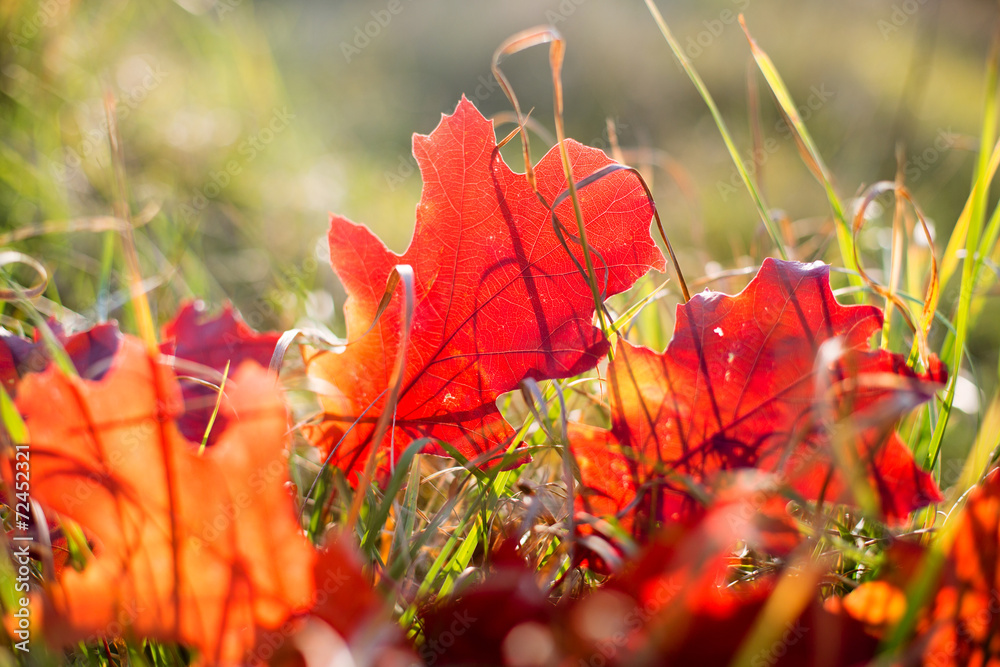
(498, 298)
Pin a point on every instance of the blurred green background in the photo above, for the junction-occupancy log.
(245, 123)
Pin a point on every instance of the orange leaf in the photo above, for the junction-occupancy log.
(202, 550)
(961, 624)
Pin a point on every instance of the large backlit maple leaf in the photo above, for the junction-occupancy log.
(498, 297)
(202, 550)
(747, 382)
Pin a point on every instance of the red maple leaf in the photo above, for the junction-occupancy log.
(210, 343)
(747, 382)
(498, 297)
(203, 550)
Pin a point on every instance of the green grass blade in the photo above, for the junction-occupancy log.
(377, 517)
(11, 419)
(441, 562)
(952, 252)
(755, 194)
(407, 520)
(625, 318)
(215, 410)
(814, 159)
(971, 266)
